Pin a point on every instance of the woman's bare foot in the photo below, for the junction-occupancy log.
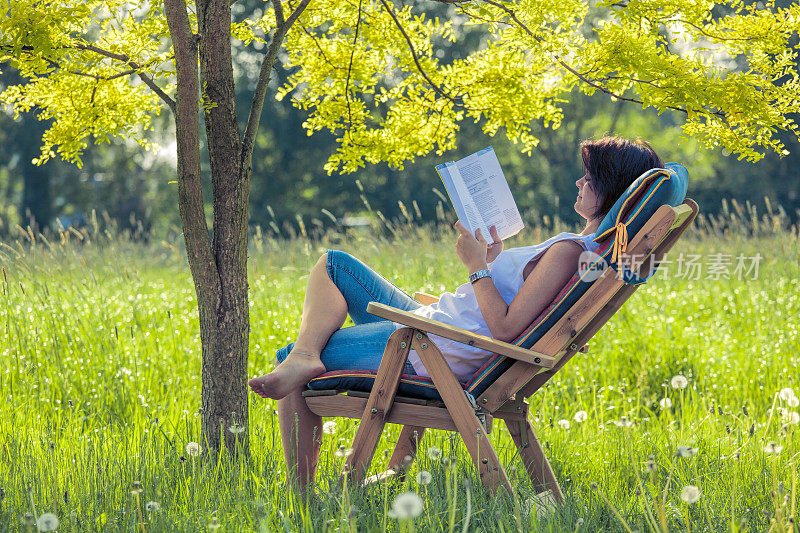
(294, 372)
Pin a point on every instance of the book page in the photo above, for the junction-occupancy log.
(467, 211)
(483, 180)
(453, 194)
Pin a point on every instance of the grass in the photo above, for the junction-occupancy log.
(100, 369)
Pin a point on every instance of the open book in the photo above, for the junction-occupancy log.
(480, 194)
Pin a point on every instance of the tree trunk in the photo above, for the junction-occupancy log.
(225, 410)
(36, 209)
(218, 265)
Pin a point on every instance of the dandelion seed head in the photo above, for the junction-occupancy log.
(690, 494)
(136, 488)
(773, 449)
(786, 394)
(407, 505)
(424, 477)
(794, 401)
(193, 449)
(624, 422)
(47, 522)
(341, 451)
(152, 507)
(679, 382)
(214, 524)
(563, 424)
(686, 451)
(434, 453)
(580, 416)
(329, 427)
(791, 417)
(235, 429)
(665, 403)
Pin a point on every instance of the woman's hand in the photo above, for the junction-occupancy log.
(494, 247)
(471, 249)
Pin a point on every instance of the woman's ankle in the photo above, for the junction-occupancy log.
(305, 353)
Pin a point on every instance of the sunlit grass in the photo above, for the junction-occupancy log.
(100, 363)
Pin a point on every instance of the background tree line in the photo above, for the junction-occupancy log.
(136, 188)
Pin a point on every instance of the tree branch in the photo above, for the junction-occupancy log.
(264, 75)
(350, 68)
(187, 134)
(583, 78)
(435, 87)
(135, 67)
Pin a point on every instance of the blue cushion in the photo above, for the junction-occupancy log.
(669, 188)
(634, 207)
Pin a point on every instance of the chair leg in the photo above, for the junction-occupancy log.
(536, 463)
(379, 404)
(469, 427)
(406, 447)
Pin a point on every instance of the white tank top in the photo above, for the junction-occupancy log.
(460, 308)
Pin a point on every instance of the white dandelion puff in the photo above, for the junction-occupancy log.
(434, 453)
(624, 422)
(341, 451)
(786, 394)
(152, 507)
(193, 449)
(236, 429)
(137, 488)
(407, 505)
(773, 449)
(679, 382)
(794, 401)
(690, 494)
(47, 522)
(214, 524)
(580, 416)
(791, 417)
(686, 451)
(665, 403)
(329, 428)
(563, 424)
(424, 477)
(542, 505)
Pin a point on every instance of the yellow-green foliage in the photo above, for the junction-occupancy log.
(373, 72)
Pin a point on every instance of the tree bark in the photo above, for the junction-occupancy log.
(223, 390)
(218, 265)
(225, 405)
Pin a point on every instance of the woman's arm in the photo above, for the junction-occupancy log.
(551, 272)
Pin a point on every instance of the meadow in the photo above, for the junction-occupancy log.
(682, 417)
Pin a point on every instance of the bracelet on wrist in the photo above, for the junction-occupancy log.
(483, 273)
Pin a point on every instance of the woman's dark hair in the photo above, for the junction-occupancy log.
(613, 163)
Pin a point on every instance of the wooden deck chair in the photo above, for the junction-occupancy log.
(517, 370)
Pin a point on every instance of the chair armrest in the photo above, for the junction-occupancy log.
(460, 335)
(425, 299)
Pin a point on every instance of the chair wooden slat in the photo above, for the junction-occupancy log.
(490, 469)
(380, 402)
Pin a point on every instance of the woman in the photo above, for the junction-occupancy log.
(507, 290)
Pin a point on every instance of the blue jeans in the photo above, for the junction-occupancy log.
(359, 347)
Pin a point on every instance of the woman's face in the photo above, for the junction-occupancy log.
(588, 200)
